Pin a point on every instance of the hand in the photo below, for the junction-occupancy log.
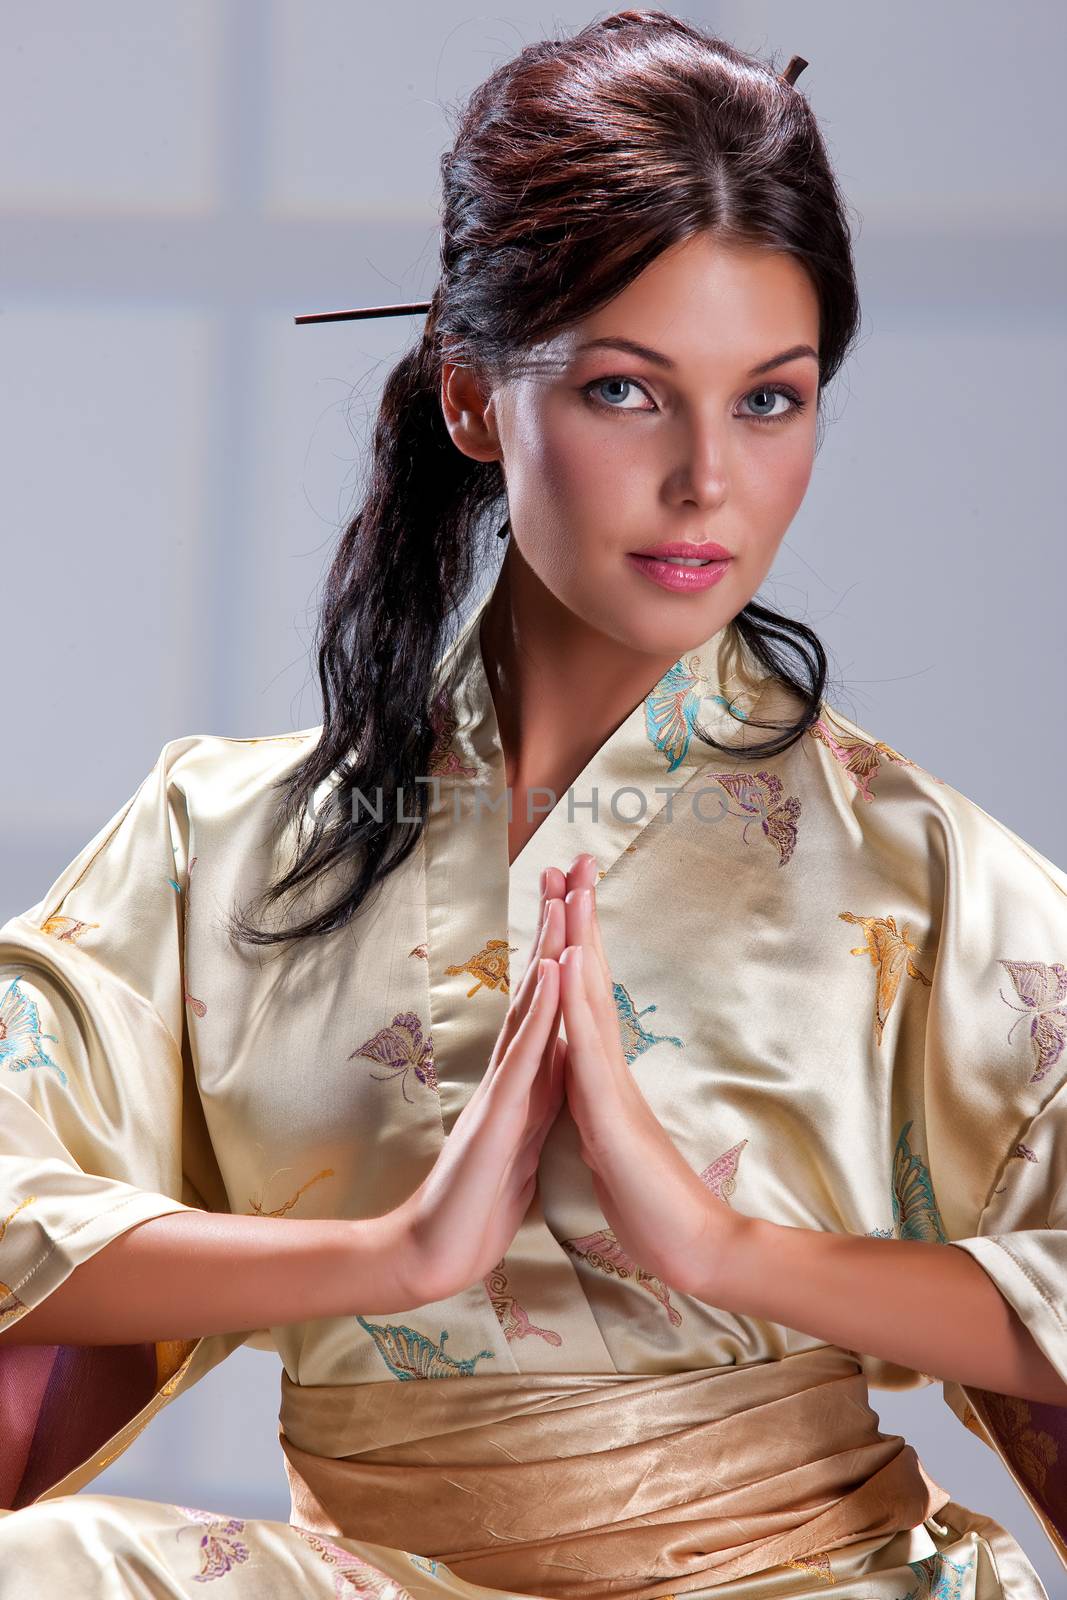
(460, 1221)
(663, 1216)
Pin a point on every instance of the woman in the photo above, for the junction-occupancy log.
(280, 1068)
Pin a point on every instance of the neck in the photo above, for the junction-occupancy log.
(560, 687)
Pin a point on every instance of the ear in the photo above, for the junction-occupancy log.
(469, 409)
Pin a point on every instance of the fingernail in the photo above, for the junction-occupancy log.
(578, 955)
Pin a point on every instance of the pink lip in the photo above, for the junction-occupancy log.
(682, 580)
(682, 547)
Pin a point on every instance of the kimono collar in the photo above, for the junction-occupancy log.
(651, 755)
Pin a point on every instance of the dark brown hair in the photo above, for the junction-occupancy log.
(574, 165)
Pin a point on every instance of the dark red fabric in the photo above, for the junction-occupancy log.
(1033, 1438)
(59, 1404)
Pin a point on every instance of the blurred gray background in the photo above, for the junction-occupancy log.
(178, 457)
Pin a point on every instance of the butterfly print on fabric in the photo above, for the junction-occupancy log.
(220, 1549)
(280, 1211)
(509, 1313)
(671, 709)
(171, 1385)
(1042, 987)
(20, 1033)
(861, 758)
(888, 949)
(759, 794)
(635, 1039)
(720, 1176)
(352, 1574)
(603, 1252)
(172, 1358)
(602, 872)
(443, 761)
(940, 1578)
(915, 1210)
(10, 1304)
(402, 1048)
(70, 929)
(489, 966)
(819, 1563)
(410, 1354)
(1022, 1152)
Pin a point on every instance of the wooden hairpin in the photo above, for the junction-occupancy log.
(790, 75)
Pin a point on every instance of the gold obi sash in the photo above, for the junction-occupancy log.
(581, 1485)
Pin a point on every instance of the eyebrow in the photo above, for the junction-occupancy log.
(660, 360)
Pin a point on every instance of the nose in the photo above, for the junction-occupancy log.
(702, 471)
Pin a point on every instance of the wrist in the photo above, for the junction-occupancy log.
(377, 1260)
(734, 1243)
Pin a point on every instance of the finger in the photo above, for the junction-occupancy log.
(541, 908)
(522, 1059)
(483, 1168)
(547, 1100)
(584, 1045)
(529, 1083)
(598, 943)
(551, 889)
(556, 882)
(596, 977)
(549, 945)
(592, 936)
(583, 872)
(503, 1109)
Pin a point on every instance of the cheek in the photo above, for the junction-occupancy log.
(774, 479)
(583, 453)
(570, 474)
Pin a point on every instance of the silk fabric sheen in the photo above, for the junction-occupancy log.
(581, 1486)
(841, 987)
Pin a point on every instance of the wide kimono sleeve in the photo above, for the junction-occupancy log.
(996, 1116)
(101, 1127)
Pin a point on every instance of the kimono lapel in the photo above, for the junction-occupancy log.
(482, 918)
(638, 770)
(466, 866)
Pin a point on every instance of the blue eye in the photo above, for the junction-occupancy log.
(774, 391)
(602, 383)
(795, 407)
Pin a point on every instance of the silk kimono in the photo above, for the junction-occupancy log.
(841, 987)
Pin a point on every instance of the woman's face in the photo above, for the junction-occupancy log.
(606, 450)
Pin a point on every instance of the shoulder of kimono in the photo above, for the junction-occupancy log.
(220, 753)
(950, 809)
(216, 766)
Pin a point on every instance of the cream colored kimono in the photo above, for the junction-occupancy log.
(841, 986)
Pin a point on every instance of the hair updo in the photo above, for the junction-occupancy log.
(574, 165)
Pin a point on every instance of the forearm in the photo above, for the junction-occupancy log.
(920, 1305)
(192, 1273)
